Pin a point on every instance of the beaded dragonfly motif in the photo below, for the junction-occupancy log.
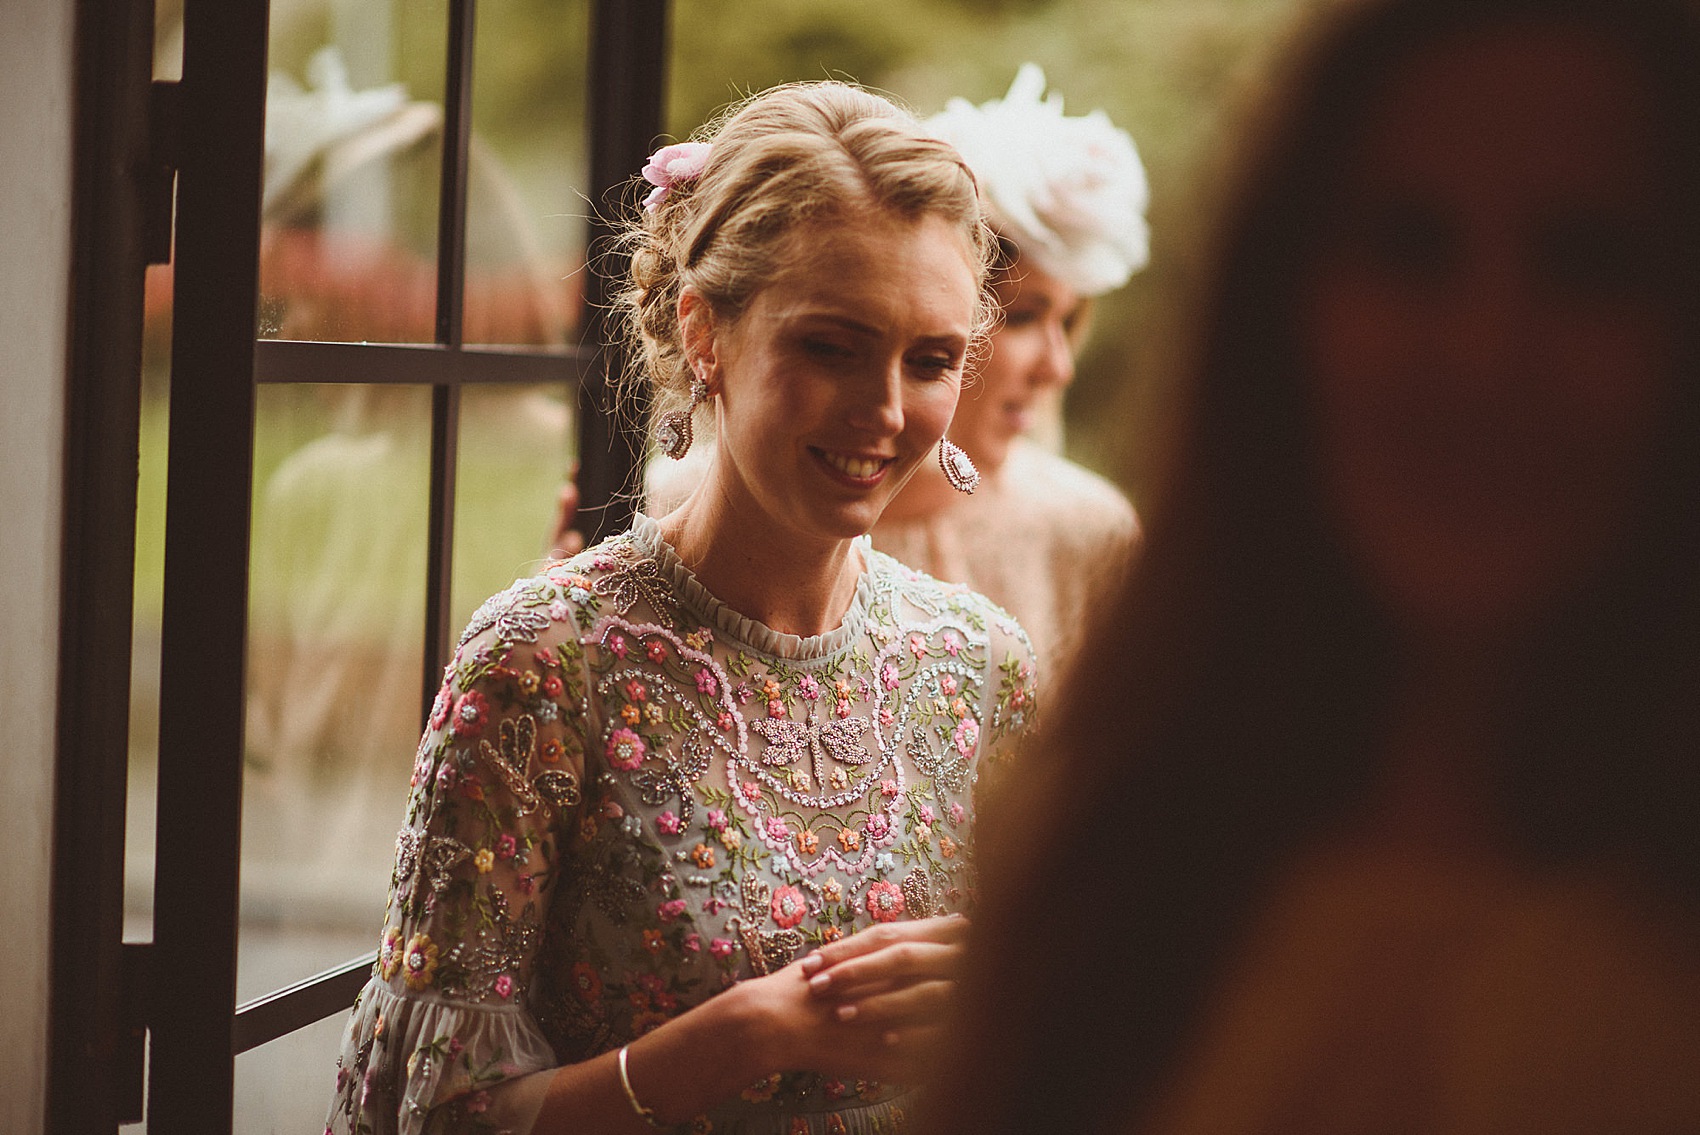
(789, 742)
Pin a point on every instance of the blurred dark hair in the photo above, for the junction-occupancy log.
(1226, 716)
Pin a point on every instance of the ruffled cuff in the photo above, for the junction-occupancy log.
(404, 1058)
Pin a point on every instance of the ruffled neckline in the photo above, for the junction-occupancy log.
(753, 633)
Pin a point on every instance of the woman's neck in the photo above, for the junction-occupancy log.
(787, 581)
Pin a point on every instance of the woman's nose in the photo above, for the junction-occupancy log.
(878, 403)
(1055, 364)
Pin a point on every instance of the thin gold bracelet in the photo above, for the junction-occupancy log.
(647, 1114)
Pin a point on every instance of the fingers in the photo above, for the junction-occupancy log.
(921, 1004)
(894, 966)
(943, 929)
(566, 540)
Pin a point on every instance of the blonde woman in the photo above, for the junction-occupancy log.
(690, 826)
(1040, 535)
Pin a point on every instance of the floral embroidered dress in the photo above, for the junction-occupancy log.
(630, 797)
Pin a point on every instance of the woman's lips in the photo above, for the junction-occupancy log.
(858, 469)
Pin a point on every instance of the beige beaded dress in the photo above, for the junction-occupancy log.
(630, 797)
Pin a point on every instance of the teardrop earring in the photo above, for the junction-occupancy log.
(958, 470)
(674, 434)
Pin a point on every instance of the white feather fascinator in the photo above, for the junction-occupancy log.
(1069, 191)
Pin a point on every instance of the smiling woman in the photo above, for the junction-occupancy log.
(690, 826)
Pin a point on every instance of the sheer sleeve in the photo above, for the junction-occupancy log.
(495, 792)
(1011, 697)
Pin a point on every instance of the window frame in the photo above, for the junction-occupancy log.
(209, 128)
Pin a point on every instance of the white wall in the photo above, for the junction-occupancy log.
(35, 238)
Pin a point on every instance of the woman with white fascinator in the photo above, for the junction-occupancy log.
(1041, 535)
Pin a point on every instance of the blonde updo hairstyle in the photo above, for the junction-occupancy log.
(792, 155)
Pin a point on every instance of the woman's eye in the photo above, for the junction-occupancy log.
(1021, 317)
(935, 365)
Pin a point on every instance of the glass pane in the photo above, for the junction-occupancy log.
(149, 599)
(354, 130)
(286, 1086)
(335, 659)
(526, 188)
(516, 447)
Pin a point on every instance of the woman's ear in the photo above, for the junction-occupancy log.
(697, 335)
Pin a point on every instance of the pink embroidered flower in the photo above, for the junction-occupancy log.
(559, 612)
(957, 812)
(705, 682)
(669, 823)
(625, 749)
(440, 708)
(717, 819)
(925, 813)
(504, 987)
(748, 793)
(743, 693)
(789, 908)
(967, 735)
(776, 709)
(888, 789)
(777, 829)
(721, 947)
(885, 901)
(878, 827)
(636, 691)
(544, 656)
(952, 644)
(808, 687)
(888, 675)
(478, 1103)
(471, 712)
(552, 687)
(677, 164)
(834, 1089)
(842, 709)
(693, 943)
(617, 645)
(389, 956)
(917, 644)
(657, 650)
(446, 776)
(947, 685)
(506, 846)
(885, 716)
(725, 722)
(670, 910)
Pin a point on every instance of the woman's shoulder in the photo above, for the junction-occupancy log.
(923, 597)
(555, 608)
(1079, 498)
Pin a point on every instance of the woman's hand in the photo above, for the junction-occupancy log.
(897, 980)
(869, 1006)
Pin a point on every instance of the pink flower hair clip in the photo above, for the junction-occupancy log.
(673, 165)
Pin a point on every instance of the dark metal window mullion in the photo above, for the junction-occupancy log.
(451, 295)
(628, 62)
(208, 499)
